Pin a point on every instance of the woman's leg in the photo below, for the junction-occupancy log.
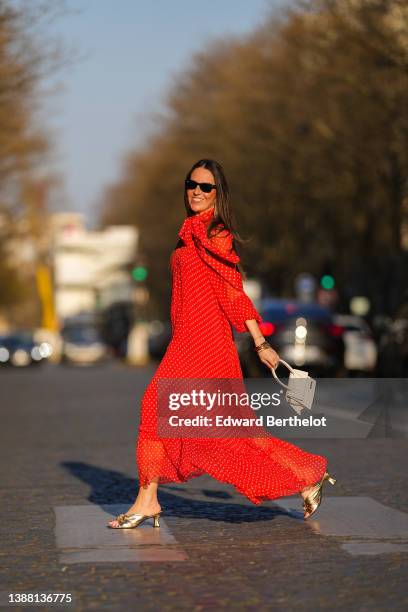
(146, 502)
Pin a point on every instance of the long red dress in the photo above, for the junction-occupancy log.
(207, 298)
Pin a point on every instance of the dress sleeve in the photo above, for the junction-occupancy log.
(176, 290)
(227, 282)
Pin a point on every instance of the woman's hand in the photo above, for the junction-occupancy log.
(269, 357)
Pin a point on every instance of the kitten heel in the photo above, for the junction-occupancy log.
(129, 521)
(314, 498)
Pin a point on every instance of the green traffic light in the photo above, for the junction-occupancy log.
(327, 282)
(139, 273)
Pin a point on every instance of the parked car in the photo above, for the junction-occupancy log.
(305, 335)
(159, 338)
(19, 349)
(360, 348)
(83, 345)
(393, 345)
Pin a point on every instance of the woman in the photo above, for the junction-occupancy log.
(207, 298)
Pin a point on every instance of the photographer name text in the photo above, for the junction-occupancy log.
(260, 421)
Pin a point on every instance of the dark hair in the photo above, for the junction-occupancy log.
(223, 217)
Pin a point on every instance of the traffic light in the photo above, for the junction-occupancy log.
(327, 282)
(139, 273)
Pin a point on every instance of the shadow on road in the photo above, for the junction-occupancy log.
(112, 487)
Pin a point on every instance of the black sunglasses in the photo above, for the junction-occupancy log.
(205, 187)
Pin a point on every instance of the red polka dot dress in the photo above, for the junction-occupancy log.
(207, 299)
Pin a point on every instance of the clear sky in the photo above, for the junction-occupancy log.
(132, 50)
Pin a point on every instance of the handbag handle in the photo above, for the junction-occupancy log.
(276, 376)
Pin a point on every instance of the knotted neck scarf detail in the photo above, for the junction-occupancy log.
(217, 252)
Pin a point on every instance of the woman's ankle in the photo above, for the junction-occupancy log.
(147, 501)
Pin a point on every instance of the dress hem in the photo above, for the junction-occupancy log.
(255, 499)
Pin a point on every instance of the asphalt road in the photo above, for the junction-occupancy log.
(68, 463)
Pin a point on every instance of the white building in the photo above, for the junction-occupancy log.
(90, 267)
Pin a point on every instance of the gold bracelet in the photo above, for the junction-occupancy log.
(261, 347)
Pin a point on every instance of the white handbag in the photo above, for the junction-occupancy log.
(300, 389)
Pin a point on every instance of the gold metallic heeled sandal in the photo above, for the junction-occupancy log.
(314, 498)
(128, 521)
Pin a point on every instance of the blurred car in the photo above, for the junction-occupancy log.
(304, 334)
(159, 337)
(360, 348)
(83, 345)
(393, 345)
(19, 349)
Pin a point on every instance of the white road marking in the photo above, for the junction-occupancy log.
(369, 526)
(83, 537)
